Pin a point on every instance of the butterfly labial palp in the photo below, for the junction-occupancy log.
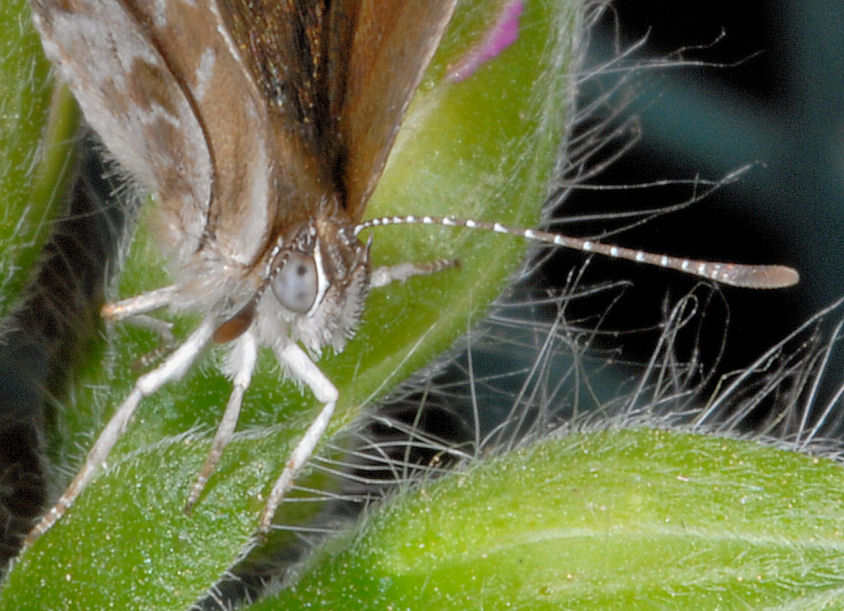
(262, 130)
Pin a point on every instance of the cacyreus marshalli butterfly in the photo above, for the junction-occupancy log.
(262, 129)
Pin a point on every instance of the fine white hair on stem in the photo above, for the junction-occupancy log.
(785, 397)
(554, 393)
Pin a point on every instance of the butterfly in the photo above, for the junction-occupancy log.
(262, 128)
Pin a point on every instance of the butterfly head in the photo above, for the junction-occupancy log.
(313, 283)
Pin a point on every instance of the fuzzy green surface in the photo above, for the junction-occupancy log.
(483, 148)
(614, 520)
(28, 177)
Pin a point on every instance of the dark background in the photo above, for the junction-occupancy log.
(772, 97)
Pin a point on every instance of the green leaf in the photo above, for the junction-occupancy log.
(34, 148)
(613, 520)
(482, 148)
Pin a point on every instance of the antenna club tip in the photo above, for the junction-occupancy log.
(763, 276)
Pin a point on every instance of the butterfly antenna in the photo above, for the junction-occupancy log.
(732, 274)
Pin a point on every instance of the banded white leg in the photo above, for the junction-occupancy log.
(299, 365)
(141, 304)
(242, 361)
(173, 368)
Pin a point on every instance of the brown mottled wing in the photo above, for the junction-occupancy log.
(128, 95)
(340, 75)
(169, 96)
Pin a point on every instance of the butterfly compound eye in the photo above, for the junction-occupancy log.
(295, 284)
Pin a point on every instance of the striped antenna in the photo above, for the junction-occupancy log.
(733, 274)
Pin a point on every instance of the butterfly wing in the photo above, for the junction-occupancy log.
(112, 81)
(168, 95)
(393, 45)
(244, 117)
(339, 75)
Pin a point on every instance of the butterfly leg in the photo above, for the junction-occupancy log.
(133, 307)
(382, 276)
(303, 368)
(172, 368)
(242, 362)
(133, 311)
